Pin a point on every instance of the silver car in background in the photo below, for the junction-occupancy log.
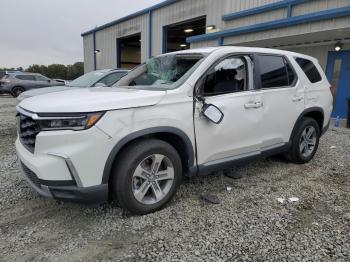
(17, 83)
(106, 77)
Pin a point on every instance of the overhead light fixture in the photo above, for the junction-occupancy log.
(189, 30)
(211, 27)
(183, 45)
(97, 51)
(338, 47)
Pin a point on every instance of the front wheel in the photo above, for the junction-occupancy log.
(305, 141)
(146, 176)
(16, 91)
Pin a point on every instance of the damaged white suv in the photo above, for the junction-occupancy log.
(179, 114)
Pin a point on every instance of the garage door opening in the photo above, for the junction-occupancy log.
(129, 51)
(175, 35)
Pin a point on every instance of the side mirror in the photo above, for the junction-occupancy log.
(213, 113)
(100, 85)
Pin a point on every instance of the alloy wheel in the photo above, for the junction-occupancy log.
(308, 141)
(153, 179)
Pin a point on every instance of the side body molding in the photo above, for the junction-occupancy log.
(149, 131)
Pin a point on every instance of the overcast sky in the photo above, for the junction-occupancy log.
(48, 31)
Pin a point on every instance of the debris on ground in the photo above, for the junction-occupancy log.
(246, 226)
(281, 200)
(213, 199)
(293, 199)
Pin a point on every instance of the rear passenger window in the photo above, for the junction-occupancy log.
(276, 72)
(26, 77)
(309, 69)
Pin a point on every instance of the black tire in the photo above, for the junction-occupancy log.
(294, 154)
(121, 184)
(16, 91)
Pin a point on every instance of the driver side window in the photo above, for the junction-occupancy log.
(229, 76)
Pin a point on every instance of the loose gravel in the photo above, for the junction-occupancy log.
(248, 225)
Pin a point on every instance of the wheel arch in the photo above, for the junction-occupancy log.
(316, 113)
(17, 86)
(174, 136)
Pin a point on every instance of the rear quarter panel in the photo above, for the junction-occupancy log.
(319, 94)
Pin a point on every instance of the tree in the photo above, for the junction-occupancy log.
(75, 70)
(68, 72)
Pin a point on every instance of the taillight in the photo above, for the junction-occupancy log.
(5, 79)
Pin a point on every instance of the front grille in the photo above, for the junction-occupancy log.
(28, 129)
(31, 175)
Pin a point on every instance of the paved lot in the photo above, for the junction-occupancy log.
(249, 224)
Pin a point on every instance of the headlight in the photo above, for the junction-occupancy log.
(68, 122)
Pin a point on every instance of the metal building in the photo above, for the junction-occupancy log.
(320, 28)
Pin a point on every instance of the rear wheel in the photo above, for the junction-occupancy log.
(146, 176)
(16, 91)
(305, 141)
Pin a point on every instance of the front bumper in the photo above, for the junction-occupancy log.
(65, 190)
(67, 165)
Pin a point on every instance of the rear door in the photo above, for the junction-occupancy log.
(283, 98)
(26, 81)
(228, 85)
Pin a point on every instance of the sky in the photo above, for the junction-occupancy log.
(49, 31)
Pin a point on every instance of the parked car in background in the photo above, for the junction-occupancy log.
(16, 83)
(3, 73)
(105, 77)
(180, 114)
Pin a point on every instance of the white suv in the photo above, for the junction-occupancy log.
(179, 114)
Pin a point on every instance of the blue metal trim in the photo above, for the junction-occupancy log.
(263, 9)
(118, 54)
(220, 41)
(164, 40)
(286, 22)
(343, 92)
(94, 45)
(150, 16)
(290, 11)
(123, 19)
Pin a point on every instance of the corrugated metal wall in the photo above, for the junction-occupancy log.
(214, 10)
(181, 11)
(88, 53)
(106, 40)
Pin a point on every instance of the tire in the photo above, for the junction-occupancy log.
(16, 91)
(303, 150)
(127, 179)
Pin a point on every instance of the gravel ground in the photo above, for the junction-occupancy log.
(249, 224)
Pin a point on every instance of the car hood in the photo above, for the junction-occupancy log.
(91, 100)
(41, 91)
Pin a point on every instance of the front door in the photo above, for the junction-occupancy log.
(227, 86)
(338, 74)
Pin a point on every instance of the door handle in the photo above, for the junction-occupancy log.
(253, 105)
(297, 98)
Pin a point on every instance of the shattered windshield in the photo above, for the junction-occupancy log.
(162, 73)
